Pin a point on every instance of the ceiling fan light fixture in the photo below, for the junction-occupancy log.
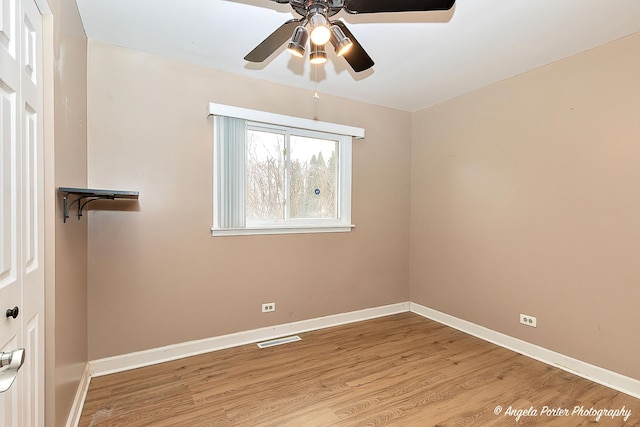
(341, 43)
(320, 33)
(298, 41)
(318, 54)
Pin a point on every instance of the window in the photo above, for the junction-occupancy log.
(278, 174)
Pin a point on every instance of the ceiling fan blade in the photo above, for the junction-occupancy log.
(375, 6)
(356, 56)
(273, 42)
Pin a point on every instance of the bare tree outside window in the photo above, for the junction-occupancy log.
(313, 178)
(265, 176)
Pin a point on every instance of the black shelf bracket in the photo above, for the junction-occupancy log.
(84, 196)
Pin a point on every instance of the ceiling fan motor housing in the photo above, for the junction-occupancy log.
(307, 7)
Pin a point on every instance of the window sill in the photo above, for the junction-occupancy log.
(252, 231)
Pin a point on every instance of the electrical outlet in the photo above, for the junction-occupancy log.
(268, 307)
(525, 319)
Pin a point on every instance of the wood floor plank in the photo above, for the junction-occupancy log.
(399, 370)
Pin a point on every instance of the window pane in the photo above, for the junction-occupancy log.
(265, 176)
(313, 188)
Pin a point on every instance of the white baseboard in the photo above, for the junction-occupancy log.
(153, 356)
(593, 373)
(78, 401)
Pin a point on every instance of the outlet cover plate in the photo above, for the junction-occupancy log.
(268, 307)
(525, 319)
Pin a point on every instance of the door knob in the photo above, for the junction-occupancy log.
(13, 312)
(11, 362)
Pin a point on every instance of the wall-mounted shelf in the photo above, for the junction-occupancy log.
(88, 195)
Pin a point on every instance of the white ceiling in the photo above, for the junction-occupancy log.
(422, 58)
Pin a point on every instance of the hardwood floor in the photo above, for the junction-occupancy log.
(399, 370)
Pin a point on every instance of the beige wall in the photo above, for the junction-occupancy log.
(67, 274)
(157, 277)
(525, 199)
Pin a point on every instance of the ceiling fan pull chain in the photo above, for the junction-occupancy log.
(315, 95)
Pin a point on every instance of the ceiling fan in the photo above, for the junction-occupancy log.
(315, 24)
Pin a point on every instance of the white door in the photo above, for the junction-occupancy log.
(21, 208)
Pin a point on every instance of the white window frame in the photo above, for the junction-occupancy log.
(303, 127)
